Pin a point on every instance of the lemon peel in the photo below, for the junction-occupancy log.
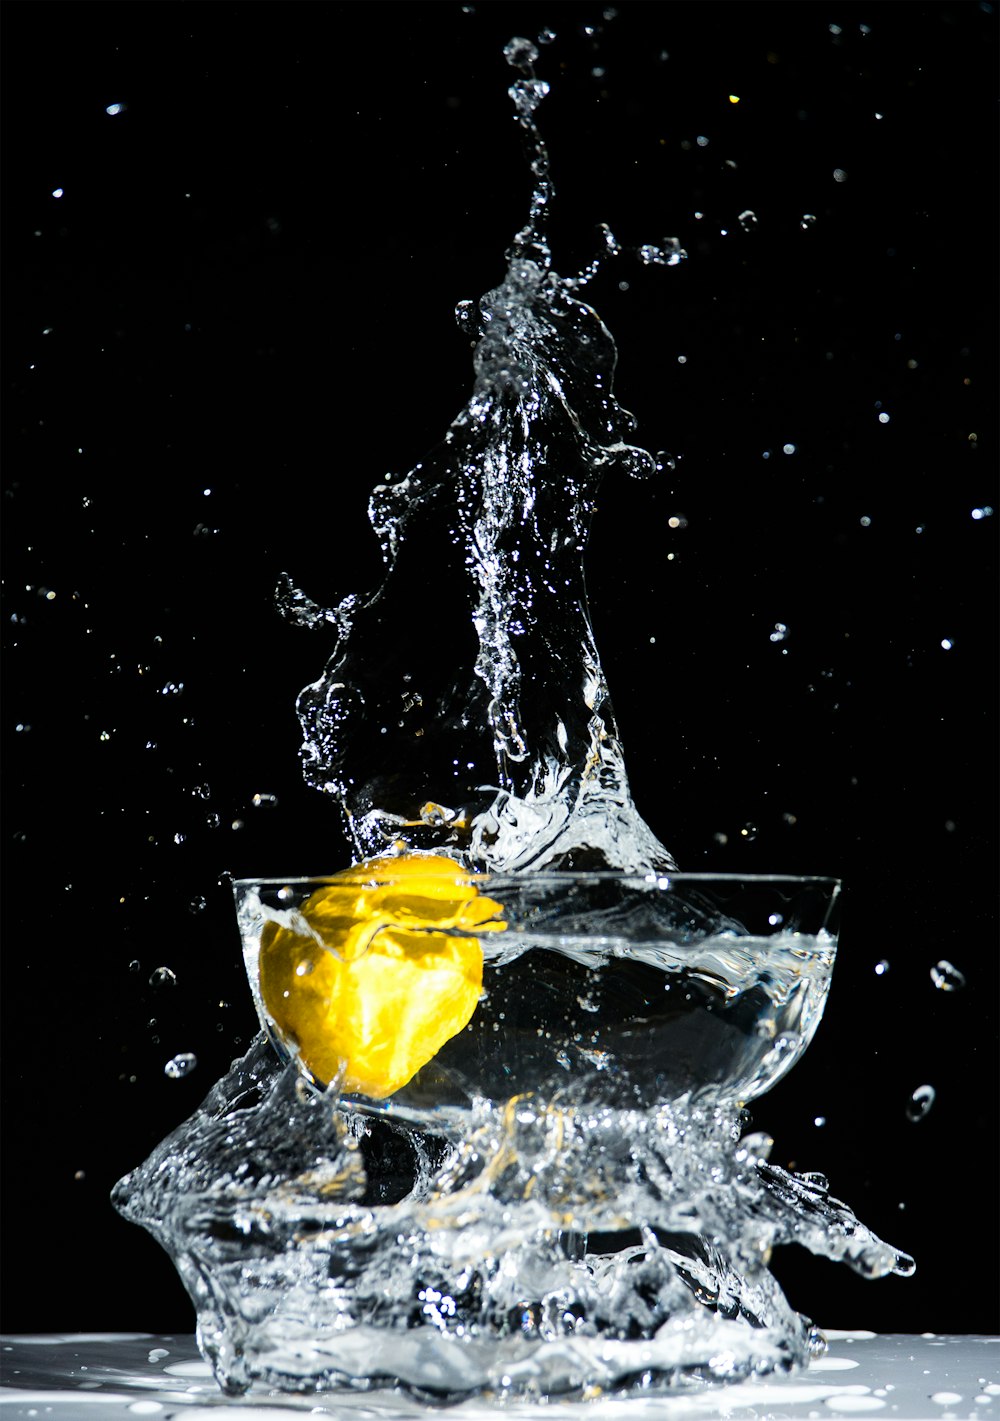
(380, 971)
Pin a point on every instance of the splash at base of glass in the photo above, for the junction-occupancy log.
(560, 1202)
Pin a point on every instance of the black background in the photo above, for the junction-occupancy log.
(238, 318)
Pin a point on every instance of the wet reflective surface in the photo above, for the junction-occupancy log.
(63, 1377)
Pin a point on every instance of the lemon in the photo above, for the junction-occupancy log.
(379, 971)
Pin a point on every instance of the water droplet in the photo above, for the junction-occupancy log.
(163, 977)
(114, 109)
(985, 512)
(180, 1065)
(58, 191)
(808, 220)
(775, 919)
(946, 977)
(198, 904)
(920, 1102)
(264, 801)
(520, 54)
(135, 965)
(865, 521)
(788, 448)
(173, 688)
(881, 968)
(839, 175)
(748, 833)
(747, 219)
(780, 632)
(946, 643)
(179, 837)
(819, 1121)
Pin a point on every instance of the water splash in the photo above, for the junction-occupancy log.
(329, 1251)
(477, 720)
(558, 1201)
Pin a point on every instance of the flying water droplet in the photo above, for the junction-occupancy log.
(163, 977)
(520, 54)
(198, 904)
(180, 1065)
(780, 632)
(748, 220)
(920, 1102)
(881, 968)
(946, 976)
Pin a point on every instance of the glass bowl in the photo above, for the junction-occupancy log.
(589, 989)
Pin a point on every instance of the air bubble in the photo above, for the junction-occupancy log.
(180, 1065)
(946, 977)
(920, 1102)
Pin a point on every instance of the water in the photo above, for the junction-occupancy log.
(482, 726)
(542, 1187)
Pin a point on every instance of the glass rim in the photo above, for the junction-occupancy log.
(663, 879)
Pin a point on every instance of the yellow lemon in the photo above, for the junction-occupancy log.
(379, 970)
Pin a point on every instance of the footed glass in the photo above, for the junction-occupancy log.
(488, 1142)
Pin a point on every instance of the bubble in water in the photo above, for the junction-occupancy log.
(163, 977)
(180, 1065)
(920, 1102)
(946, 976)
